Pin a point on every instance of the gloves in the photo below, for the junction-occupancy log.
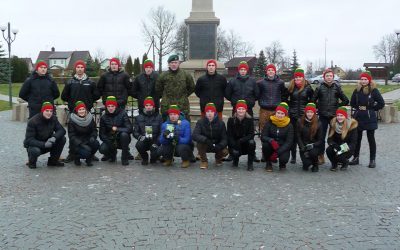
(52, 140)
(92, 139)
(336, 147)
(274, 144)
(308, 147)
(48, 144)
(166, 134)
(274, 157)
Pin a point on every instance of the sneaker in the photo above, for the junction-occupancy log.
(204, 165)
(167, 163)
(268, 167)
(185, 164)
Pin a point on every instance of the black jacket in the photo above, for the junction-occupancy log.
(303, 135)
(211, 88)
(144, 86)
(81, 135)
(38, 89)
(350, 139)
(367, 119)
(214, 131)
(39, 129)
(84, 90)
(272, 92)
(242, 130)
(242, 88)
(116, 84)
(143, 120)
(284, 136)
(118, 119)
(327, 99)
(298, 101)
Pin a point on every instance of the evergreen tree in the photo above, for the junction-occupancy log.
(3, 66)
(294, 64)
(136, 67)
(19, 69)
(144, 58)
(129, 66)
(92, 67)
(259, 69)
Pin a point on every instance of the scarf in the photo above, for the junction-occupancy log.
(82, 121)
(280, 123)
(84, 77)
(339, 126)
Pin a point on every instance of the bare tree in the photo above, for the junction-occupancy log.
(181, 44)
(99, 54)
(222, 44)
(248, 49)
(234, 45)
(122, 56)
(161, 26)
(387, 49)
(274, 52)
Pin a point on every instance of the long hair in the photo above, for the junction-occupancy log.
(292, 85)
(371, 86)
(345, 128)
(314, 125)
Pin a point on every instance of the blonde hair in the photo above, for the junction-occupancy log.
(345, 128)
(293, 84)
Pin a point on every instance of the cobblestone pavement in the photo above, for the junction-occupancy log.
(110, 206)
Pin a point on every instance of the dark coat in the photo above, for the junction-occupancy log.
(350, 139)
(284, 136)
(240, 130)
(143, 120)
(116, 84)
(118, 119)
(214, 131)
(367, 119)
(303, 135)
(84, 90)
(40, 129)
(39, 89)
(298, 101)
(242, 88)
(327, 99)
(144, 86)
(211, 88)
(272, 92)
(81, 135)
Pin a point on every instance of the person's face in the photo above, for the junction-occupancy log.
(298, 80)
(80, 70)
(243, 71)
(270, 72)
(329, 77)
(310, 114)
(211, 68)
(82, 112)
(279, 114)
(114, 66)
(241, 112)
(111, 108)
(148, 70)
(48, 113)
(364, 81)
(210, 115)
(148, 107)
(173, 117)
(42, 70)
(340, 118)
(174, 65)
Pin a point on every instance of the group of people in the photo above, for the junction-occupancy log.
(289, 118)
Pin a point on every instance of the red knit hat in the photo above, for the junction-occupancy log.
(78, 105)
(284, 107)
(243, 65)
(116, 60)
(148, 63)
(210, 107)
(40, 64)
(148, 100)
(367, 75)
(80, 62)
(270, 66)
(211, 61)
(46, 106)
(342, 110)
(241, 104)
(310, 106)
(174, 109)
(328, 70)
(299, 72)
(111, 100)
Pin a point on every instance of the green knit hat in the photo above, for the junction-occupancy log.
(284, 107)
(299, 72)
(172, 58)
(111, 100)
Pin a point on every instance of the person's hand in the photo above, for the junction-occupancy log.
(52, 140)
(274, 145)
(308, 147)
(114, 128)
(166, 133)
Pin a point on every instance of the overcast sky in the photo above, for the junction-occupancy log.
(351, 27)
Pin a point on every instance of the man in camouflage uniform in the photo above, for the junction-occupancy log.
(174, 87)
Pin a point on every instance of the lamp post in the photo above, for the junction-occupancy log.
(398, 49)
(9, 40)
(325, 50)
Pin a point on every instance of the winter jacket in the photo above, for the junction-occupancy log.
(40, 129)
(182, 131)
(283, 136)
(118, 119)
(214, 131)
(144, 86)
(272, 92)
(242, 88)
(350, 139)
(81, 135)
(327, 99)
(144, 120)
(84, 90)
(211, 88)
(365, 108)
(38, 89)
(303, 135)
(298, 101)
(116, 84)
(240, 130)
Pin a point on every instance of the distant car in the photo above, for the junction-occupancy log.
(396, 78)
(320, 79)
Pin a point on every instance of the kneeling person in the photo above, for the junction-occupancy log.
(45, 134)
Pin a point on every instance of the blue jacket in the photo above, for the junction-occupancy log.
(183, 130)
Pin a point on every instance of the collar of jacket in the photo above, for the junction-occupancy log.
(276, 77)
(173, 71)
(240, 77)
(35, 74)
(116, 112)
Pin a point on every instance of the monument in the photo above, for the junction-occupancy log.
(202, 32)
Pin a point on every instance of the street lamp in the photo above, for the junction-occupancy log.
(9, 40)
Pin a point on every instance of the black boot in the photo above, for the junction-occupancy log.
(345, 165)
(70, 158)
(315, 167)
(355, 161)
(268, 166)
(95, 158)
(32, 165)
(305, 167)
(372, 164)
(293, 160)
(77, 161)
(282, 167)
(125, 157)
(256, 159)
(89, 162)
(235, 162)
(334, 167)
(54, 163)
(250, 159)
(130, 156)
(105, 158)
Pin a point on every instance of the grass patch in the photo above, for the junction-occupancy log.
(348, 89)
(16, 87)
(4, 106)
(397, 103)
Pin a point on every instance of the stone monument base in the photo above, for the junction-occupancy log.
(197, 67)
